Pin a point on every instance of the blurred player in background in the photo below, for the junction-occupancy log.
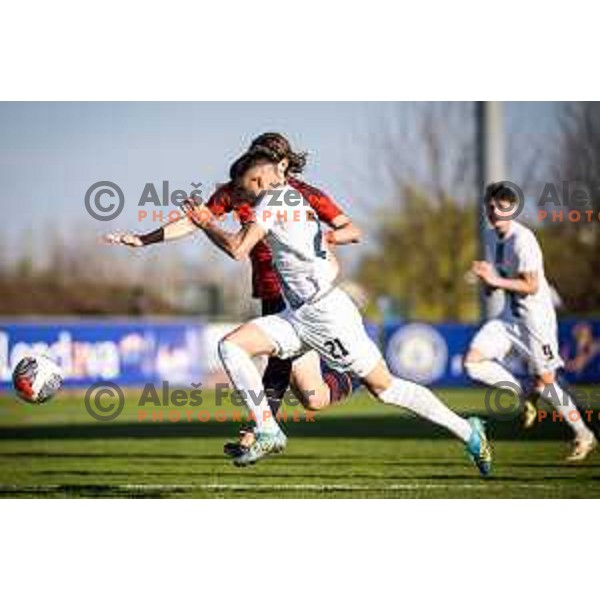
(528, 326)
(320, 316)
(265, 282)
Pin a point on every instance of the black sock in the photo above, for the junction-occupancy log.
(276, 380)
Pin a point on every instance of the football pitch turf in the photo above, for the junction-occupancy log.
(360, 449)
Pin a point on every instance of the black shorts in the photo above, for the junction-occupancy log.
(272, 306)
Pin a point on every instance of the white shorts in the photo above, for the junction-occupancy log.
(497, 339)
(332, 326)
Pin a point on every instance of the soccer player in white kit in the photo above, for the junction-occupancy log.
(319, 317)
(527, 325)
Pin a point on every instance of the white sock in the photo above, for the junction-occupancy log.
(421, 401)
(247, 381)
(563, 403)
(492, 373)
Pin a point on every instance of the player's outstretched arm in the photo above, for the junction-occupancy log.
(173, 230)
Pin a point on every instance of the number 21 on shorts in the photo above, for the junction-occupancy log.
(336, 349)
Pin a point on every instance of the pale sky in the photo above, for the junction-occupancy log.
(50, 153)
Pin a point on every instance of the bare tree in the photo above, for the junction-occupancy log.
(427, 233)
(572, 250)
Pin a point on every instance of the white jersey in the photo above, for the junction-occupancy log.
(295, 236)
(520, 252)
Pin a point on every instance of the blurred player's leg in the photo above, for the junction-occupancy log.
(491, 373)
(490, 344)
(584, 441)
(263, 336)
(276, 377)
(340, 384)
(236, 352)
(276, 380)
(246, 379)
(316, 386)
(334, 327)
(421, 401)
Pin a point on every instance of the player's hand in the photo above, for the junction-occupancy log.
(329, 238)
(198, 214)
(485, 271)
(123, 239)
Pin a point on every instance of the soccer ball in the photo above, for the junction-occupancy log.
(36, 379)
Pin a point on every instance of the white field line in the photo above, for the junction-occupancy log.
(126, 487)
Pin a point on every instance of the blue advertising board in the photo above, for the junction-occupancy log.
(125, 352)
(433, 354)
(136, 352)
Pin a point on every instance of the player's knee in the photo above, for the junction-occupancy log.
(544, 379)
(378, 380)
(378, 393)
(314, 401)
(376, 389)
(472, 363)
(471, 368)
(472, 357)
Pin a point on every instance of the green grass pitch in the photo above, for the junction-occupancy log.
(360, 449)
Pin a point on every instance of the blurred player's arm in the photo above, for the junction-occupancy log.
(173, 230)
(237, 245)
(218, 204)
(525, 283)
(529, 264)
(343, 231)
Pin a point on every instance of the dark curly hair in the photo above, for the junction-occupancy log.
(278, 147)
(500, 191)
(248, 160)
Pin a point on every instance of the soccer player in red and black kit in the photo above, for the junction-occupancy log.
(265, 282)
